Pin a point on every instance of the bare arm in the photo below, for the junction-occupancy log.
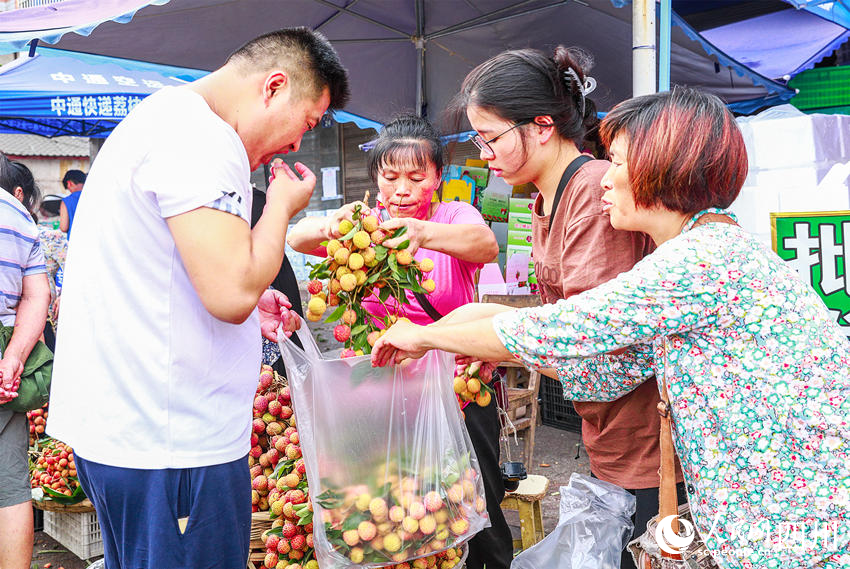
(468, 242)
(308, 234)
(231, 265)
(29, 325)
(64, 220)
(475, 338)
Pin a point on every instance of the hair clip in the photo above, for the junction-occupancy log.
(584, 89)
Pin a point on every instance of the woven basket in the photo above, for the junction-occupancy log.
(52, 506)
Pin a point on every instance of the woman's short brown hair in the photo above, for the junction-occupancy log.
(686, 152)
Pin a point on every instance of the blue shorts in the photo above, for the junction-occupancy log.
(138, 512)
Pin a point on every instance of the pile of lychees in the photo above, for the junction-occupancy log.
(37, 420)
(402, 517)
(278, 479)
(52, 468)
(358, 266)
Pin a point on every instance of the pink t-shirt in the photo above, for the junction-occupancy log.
(454, 278)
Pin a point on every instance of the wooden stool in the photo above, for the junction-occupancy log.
(526, 500)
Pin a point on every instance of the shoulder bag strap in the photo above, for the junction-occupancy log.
(568, 174)
(668, 503)
(423, 301)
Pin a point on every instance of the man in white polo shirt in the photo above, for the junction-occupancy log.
(159, 349)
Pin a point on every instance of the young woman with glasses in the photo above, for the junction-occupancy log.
(533, 120)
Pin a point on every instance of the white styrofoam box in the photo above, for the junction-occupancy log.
(796, 140)
(831, 198)
(808, 176)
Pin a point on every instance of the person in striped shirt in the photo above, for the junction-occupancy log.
(24, 295)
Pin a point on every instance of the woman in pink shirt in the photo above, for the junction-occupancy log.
(406, 163)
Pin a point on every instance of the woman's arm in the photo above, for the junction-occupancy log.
(475, 338)
(470, 242)
(64, 220)
(309, 233)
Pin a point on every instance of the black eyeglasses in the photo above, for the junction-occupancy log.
(484, 145)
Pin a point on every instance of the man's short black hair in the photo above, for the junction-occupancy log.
(76, 176)
(298, 49)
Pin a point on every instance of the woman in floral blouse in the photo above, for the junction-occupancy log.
(758, 371)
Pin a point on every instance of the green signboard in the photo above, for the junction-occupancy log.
(817, 245)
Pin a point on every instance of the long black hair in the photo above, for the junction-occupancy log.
(17, 175)
(518, 85)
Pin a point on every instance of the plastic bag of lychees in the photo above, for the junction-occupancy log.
(391, 470)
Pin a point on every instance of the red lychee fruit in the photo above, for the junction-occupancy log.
(256, 452)
(347, 353)
(342, 333)
(261, 403)
(258, 426)
(272, 542)
(289, 529)
(284, 396)
(274, 407)
(314, 287)
(299, 542)
(285, 412)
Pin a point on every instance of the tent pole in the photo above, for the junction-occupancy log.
(643, 47)
(665, 7)
(420, 57)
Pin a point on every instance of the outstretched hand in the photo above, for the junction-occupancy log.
(275, 310)
(402, 341)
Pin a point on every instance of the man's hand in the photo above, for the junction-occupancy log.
(286, 188)
(416, 233)
(402, 341)
(11, 369)
(275, 310)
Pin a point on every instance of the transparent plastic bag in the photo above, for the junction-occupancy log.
(391, 471)
(594, 527)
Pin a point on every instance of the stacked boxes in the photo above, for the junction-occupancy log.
(519, 266)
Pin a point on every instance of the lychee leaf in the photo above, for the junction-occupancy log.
(359, 329)
(380, 252)
(307, 519)
(354, 520)
(404, 244)
(399, 232)
(393, 263)
(336, 314)
(384, 294)
(330, 499)
(349, 235)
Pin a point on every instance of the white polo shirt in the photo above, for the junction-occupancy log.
(144, 376)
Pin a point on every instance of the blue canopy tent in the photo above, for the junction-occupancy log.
(55, 93)
(58, 92)
(402, 54)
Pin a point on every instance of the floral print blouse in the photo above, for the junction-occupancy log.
(758, 376)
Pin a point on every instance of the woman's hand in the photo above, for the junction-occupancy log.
(417, 233)
(275, 310)
(345, 212)
(402, 341)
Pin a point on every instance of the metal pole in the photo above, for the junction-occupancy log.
(419, 40)
(643, 47)
(666, 8)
